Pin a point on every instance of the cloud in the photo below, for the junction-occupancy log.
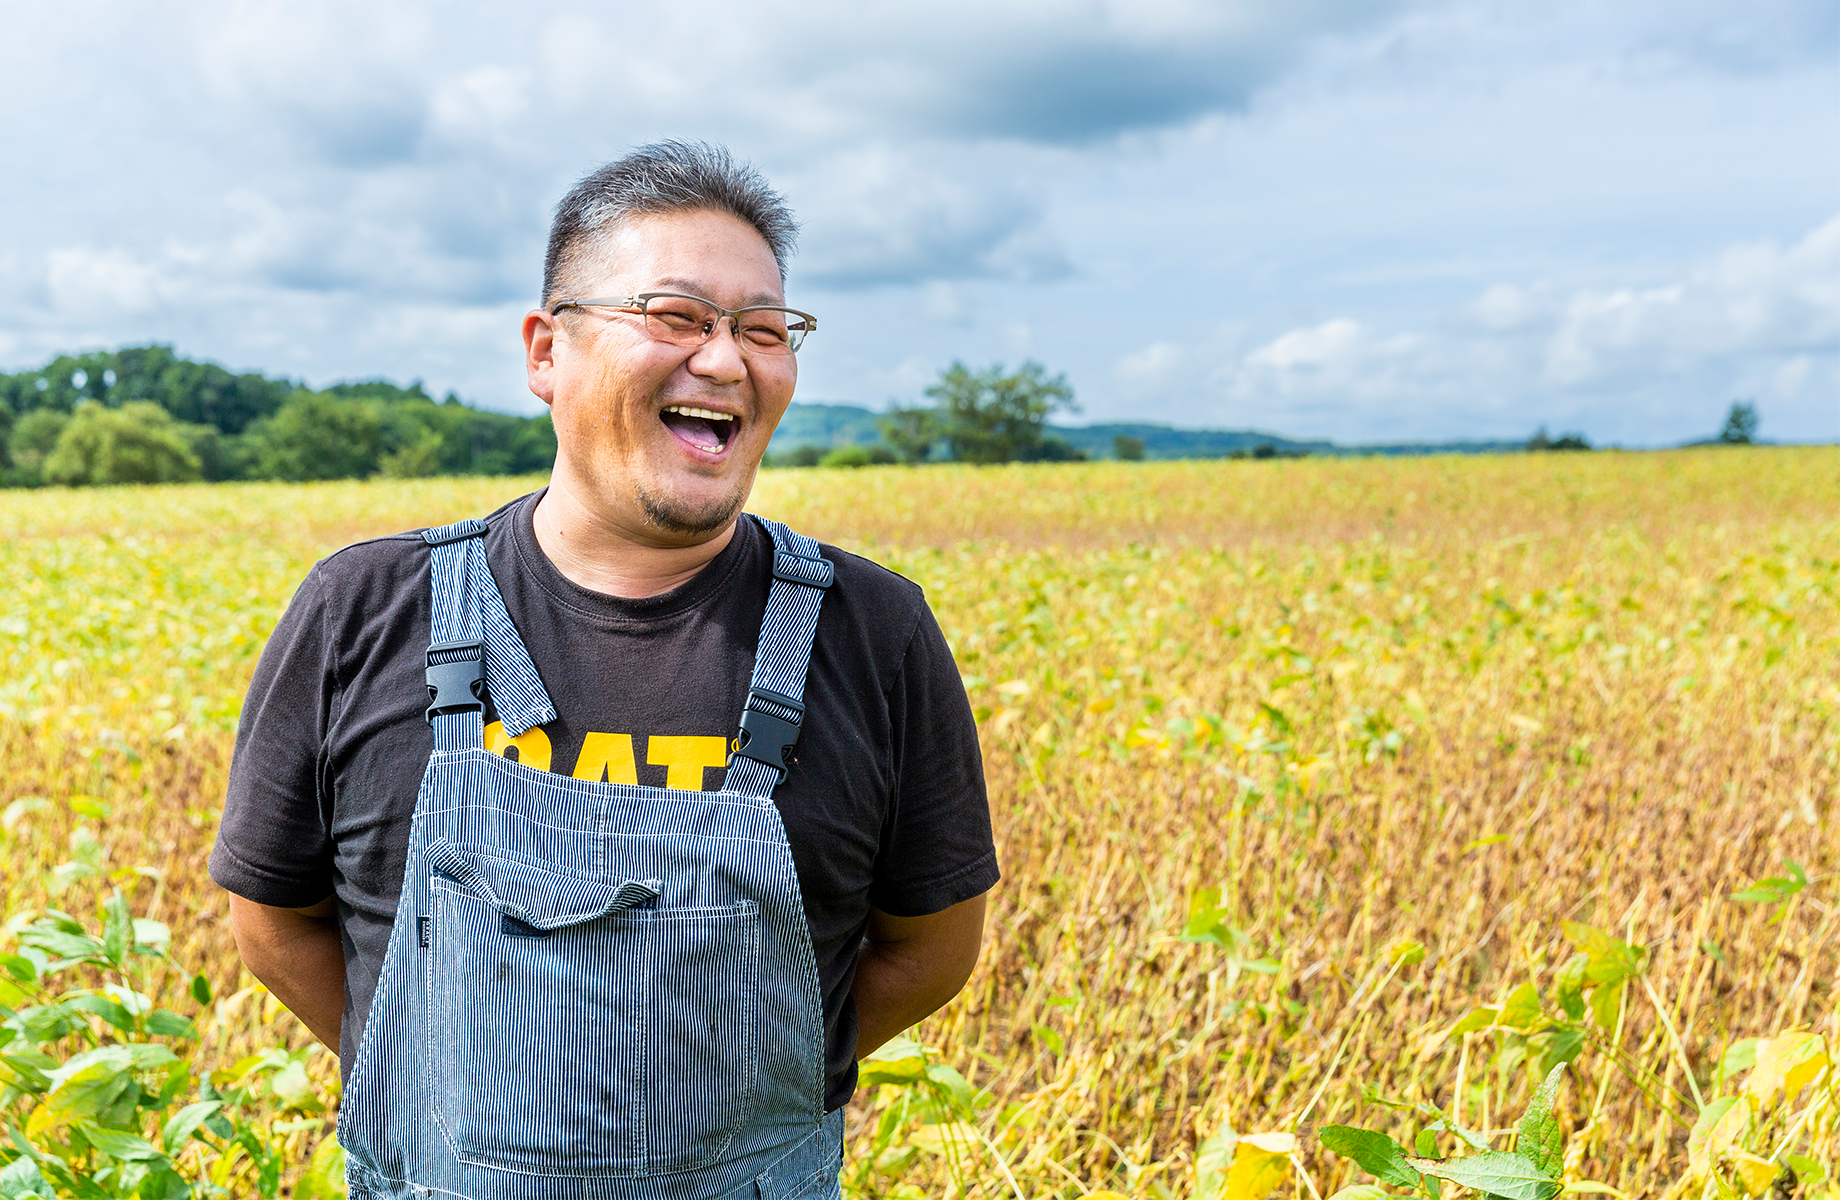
(881, 216)
(1755, 318)
(1753, 299)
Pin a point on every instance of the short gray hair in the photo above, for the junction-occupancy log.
(664, 177)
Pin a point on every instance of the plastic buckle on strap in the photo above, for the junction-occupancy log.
(766, 736)
(809, 570)
(456, 678)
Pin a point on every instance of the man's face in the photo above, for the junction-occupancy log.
(619, 397)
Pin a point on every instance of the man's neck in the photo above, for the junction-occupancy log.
(597, 553)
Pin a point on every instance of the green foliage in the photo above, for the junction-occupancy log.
(1210, 924)
(1775, 889)
(1531, 1171)
(136, 443)
(1541, 440)
(858, 456)
(146, 415)
(33, 437)
(193, 392)
(1126, 448)
(926, 1109)
(798, 456)
(98, 1091)
(317, 436)
(912, 433)
(987, 416)
(1374, 1152)
(1741, 423)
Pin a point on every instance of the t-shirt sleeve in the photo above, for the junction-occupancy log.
(273, 846)
(937, 849)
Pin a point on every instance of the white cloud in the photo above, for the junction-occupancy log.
(1753, 299)
(1154, 365)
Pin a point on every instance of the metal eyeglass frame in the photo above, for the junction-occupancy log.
(794, 337)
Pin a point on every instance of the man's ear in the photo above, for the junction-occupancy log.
(542, 332)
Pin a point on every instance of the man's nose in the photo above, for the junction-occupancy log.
(719, 359)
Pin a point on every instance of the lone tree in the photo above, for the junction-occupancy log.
(987, 416)
(1740, 424)
(1126, 448)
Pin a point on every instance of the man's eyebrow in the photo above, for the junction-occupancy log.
(676, 284)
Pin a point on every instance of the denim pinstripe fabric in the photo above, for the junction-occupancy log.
(470, 608)
(785, 644)
(594, 991)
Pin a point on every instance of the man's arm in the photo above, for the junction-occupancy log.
(297, 954)
(910, 966)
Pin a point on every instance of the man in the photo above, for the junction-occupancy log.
(491, 829)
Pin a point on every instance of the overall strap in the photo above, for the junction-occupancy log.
(473, 648)
(775, 708)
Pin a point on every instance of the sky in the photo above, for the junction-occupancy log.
(1365, 220)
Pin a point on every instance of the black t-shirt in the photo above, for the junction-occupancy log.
(884, 804)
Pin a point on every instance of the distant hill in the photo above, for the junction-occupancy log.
(831, 425)
(826, 426)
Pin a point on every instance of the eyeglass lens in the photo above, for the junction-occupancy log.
(690, 322)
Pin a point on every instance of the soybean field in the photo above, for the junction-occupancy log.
(1368, 826)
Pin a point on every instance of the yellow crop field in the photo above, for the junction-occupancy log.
(1329, 794)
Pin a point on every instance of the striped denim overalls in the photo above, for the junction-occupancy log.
(594, 990)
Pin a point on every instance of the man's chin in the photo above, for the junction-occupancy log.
(690, 517)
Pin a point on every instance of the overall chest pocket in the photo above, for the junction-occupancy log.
(577, 1030)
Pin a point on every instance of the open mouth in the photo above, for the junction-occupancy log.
(706, 429)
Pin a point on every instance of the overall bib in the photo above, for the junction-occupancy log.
(594, 991)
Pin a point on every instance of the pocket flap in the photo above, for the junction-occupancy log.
(540, 899)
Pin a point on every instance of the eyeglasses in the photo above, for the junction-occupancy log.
(691, 320)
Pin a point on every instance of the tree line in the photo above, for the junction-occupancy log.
(145, 414)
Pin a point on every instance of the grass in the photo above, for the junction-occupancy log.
(1303, 710)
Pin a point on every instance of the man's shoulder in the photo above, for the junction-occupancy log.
(880, 608)
(866, 578)
(359, 571)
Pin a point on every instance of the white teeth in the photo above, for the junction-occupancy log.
(704, 413)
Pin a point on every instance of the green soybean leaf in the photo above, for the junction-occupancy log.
(1540, 1140)
(164, 1022)
(151, 937)
(109, 1010)
(324, 1178)
(60, 943)
(1476, 1021)
(19, 967)
(1375, 1153)
(1606, 1003)
(119, 1144)
(117, 928)
(20, 1179)
(162, 1183)
(1808, 1172)
(1496, 1172)
(947, 1081)
(1521, 1009)
(1609, 959)
(89, 1085)
(184, 1123)
(47, 1022)
(1740, 1056)
(1775, 889)
(1213, 1161)
(201, 989)
(1568, 985)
